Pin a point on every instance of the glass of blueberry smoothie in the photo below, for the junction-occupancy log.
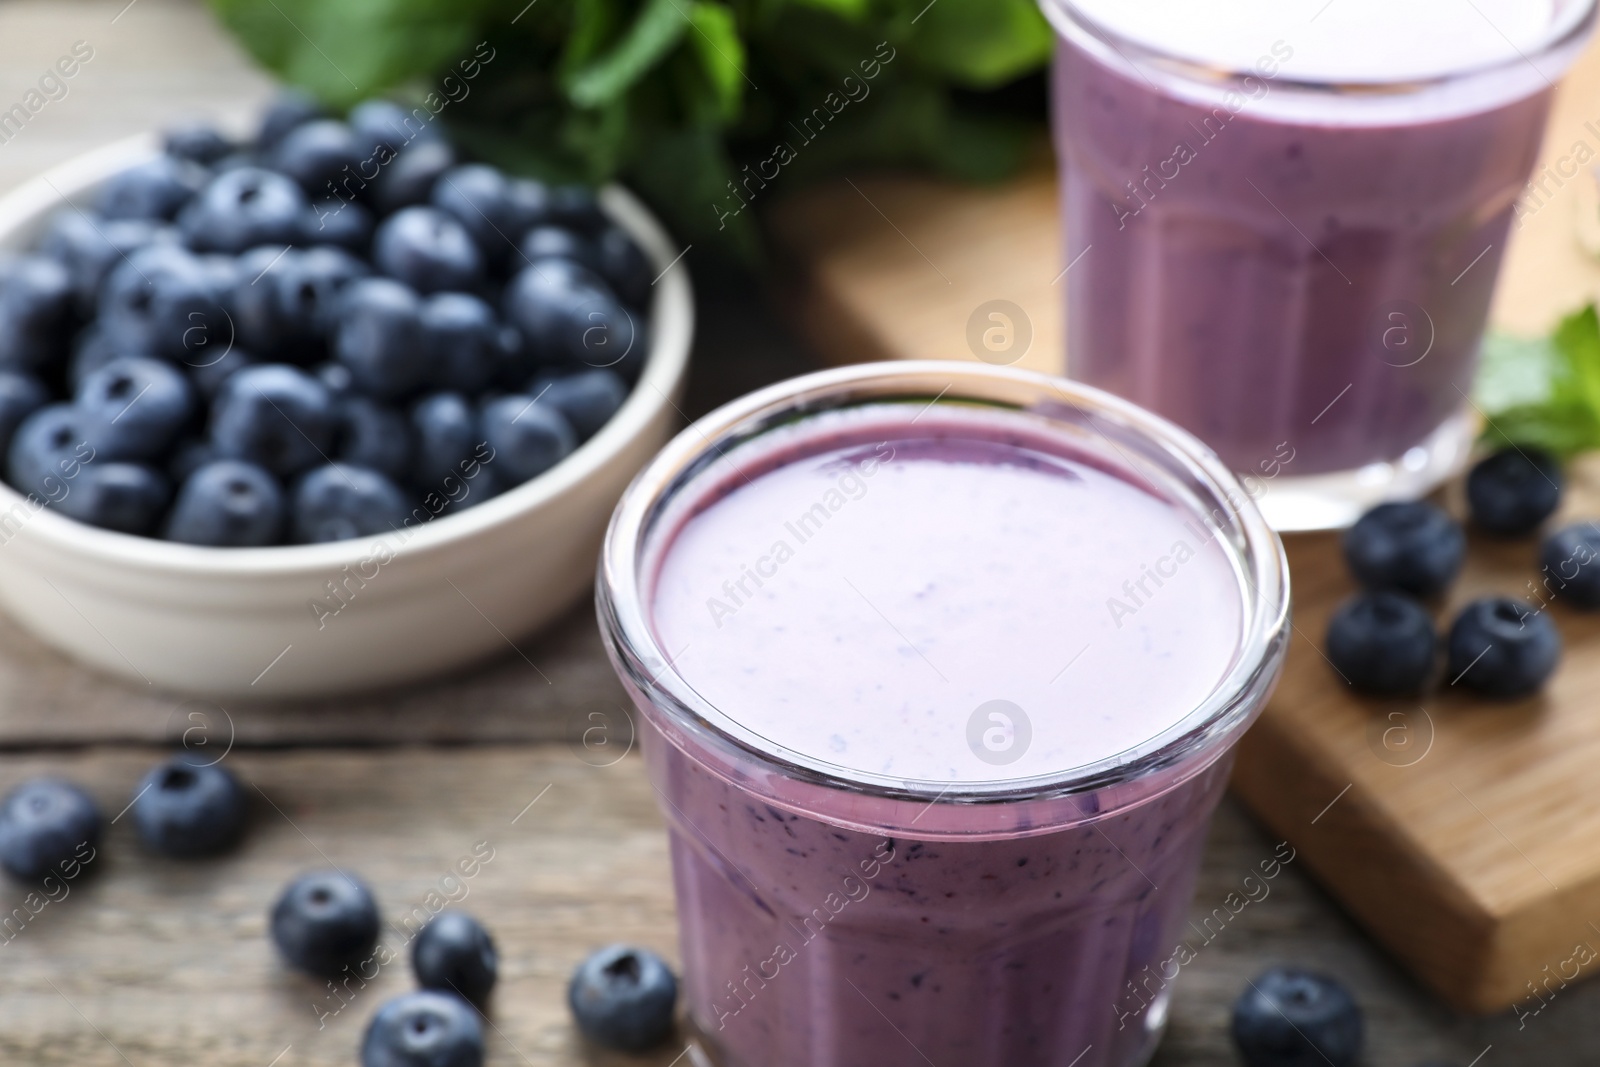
(939, 670)
(1285, 218)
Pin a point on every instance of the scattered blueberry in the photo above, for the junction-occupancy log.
(324, 922)
(528, 438)
(587, 399)
(244, 208)
(1413, 547)
(183, 809)
(338, 502)
(143, 404)
(375, 436)
(622, 998)
(453, 953)
(198, 142)
(379, 337)
(1511, 492)
(1502, 648)
(155, 189)
(227, 503)
(1570, 559)
(1383, 643)
(1294, 1018)
(45, 824)
(273, 415)
(424, 1029)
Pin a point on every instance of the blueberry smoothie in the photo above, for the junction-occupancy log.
(1291, 214)
(933, 702)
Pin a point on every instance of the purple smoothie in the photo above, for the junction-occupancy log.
(873, 880)
(1299, 256)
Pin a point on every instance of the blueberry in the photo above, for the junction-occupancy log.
(336, 377)
(36, 299)
(308, 294)
(570, 323)
(340, 223)
(98, 345)
(46, 824)
(528, 438)
(575, 207)
(291, 109)
(163, 300)
(586, 399)
(408, 180)
(243, 208)
(374, 436)
(454, 954)
(227, 504)
(208, 378)
(125, 497)
(89, 246)
(49, 450)
(554, 242)
(273, 415)
(622, 998)
(484, 201)
(20, 396)
(427, 250)
(384, 129)
(183, 809)
(1383, 643)
(187, 457)
(446, 434)
(144, 404)
(198, 142)
(155, 189)
(462, 340)
(1511, 492)
(323, 157)
(1294, 1018)
(1569, 558)
(324, 922)
(379, 338)
(338, 502)
(1502, 648)
(623, 264)
(423, 1029)
(258, 319)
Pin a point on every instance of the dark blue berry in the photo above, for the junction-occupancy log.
(380, 338)
(20, 396)
(622, 998)
(374, 436)
(273, 415)
(47, 824)
(454, 954)
(463, 342)
(576, 207)
(336, 377)
(1294, 1018)
(339, 223)
(125, 497)
(36, 299)
(622, 263)
(226, 503)
(447, 433)
(423, 1029)
(323, 157)
(185, 809)
(89, 246)
(96, 346)
(1383, 643)
(587, 398)
(258, 319)
(309, 294)
(572, 324)
(384, 128)
(555, 242)
(163, 300)
(291, 109)
(528, 438)
(485, 202)
(338, 502)
(187, 457)
(324, 922)
(408, 179)
(49, 450)
(243, 208)
(1511, 492)
(154, 189)
(428, 250)
(1570, 559)
(1502, 648)
(198, 142)
(208, 377)
(143, 404)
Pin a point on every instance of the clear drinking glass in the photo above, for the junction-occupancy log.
(1292, 264)
(834, 917)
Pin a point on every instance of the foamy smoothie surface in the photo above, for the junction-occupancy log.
(864, 588)
(1362, 41)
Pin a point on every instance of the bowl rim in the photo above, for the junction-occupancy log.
(672, 327)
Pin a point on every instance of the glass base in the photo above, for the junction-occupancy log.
(1336, 500)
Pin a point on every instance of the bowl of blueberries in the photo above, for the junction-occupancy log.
(327, 408)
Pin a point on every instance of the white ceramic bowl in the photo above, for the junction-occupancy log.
(242, 622)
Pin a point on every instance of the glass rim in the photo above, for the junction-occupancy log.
(1070, 21)
(1254, 549)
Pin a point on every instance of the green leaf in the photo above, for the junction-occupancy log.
(982, 43)
(1543, 391)
(716, 41)
(854, 10)
(656, 32)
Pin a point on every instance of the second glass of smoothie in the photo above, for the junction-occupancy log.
(1285, 218)
(939, 670)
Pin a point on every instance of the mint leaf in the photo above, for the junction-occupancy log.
(716, 41)
(654, 33)
(1543, 391)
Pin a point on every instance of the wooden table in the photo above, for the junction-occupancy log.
(151, 963)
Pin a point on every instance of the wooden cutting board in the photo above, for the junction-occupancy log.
(1464, 836)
